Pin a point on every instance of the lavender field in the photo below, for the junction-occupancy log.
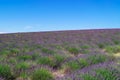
(61, 55)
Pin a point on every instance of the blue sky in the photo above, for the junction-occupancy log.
(52, 15)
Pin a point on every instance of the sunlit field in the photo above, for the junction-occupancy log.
(61, 55)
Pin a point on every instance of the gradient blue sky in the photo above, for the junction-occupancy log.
(51, 15)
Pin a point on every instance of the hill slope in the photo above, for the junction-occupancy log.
(60, 55)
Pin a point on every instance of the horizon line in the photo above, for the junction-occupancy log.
(58, 30)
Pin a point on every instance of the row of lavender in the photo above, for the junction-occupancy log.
(63, 55)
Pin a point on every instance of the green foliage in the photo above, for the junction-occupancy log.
(12, 60)
(23, 75)
(58, 47)
(84, 47)
(35, 56)
(99, 58)
(22, 66)
(10, 52)
(73, 50)
(27, 48)
(48, 51)
(85, 51)
(76, 64)
(101, 45)
(113, 49)
(59, 58)
(5, 72)
(4, 52)
(73, 65)
(101, 74)
(24, 50)
(38, 46)
(2, 58)
(116, 42)
(88, 77)
(105, 74)
(46, 61)
(15, 50)
(25, 57)
(83, 63)
(52, 61)
(42, 74)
